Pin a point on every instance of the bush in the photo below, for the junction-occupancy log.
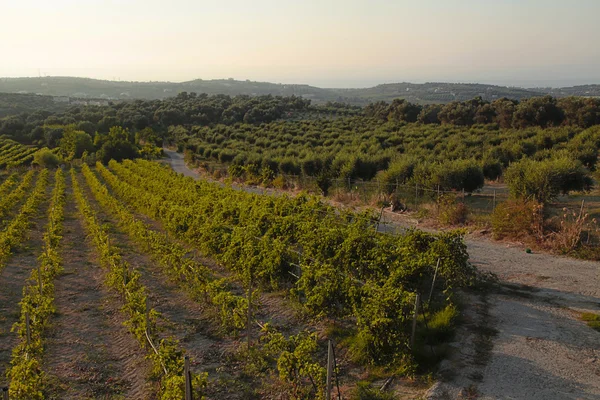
(517, 218)
(458, 175)
(399, 172)
(543, 180)
(45, 158)
(450, 211)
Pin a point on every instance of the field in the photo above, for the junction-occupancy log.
(111, 275)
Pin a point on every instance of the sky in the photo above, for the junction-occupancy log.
(327, 43)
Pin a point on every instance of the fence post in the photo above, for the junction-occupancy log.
(414, 324)
(494, 203)
(27, 328)
(463, 195)
(5, 393)
(188, 378)
(329, 370)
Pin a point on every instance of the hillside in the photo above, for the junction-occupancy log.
(417, 93)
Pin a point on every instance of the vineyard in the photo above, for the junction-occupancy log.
(13, 154)
(131, 281)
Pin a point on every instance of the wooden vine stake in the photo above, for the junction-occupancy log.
(188, 378)
(414, 324)
(329, 382)
(4, 393)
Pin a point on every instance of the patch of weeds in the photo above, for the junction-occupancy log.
(364, 391)
(593, 320)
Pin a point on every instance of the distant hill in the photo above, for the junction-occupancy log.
(86, 88)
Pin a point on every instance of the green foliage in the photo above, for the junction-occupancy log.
(364, 391)
(46, 158)
(297, 362)
(74, 143)
(543, 180)
(345, 268)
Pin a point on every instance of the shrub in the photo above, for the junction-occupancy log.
(517, 218)
(543, 180)
(398, 173)
(492, 168)
(45, 158)
(458, 175)
(450, 211)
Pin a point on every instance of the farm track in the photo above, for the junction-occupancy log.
(524, 339)
(14, 277)
(90, 353)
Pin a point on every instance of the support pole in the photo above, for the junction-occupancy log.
(414, 324)
(4, 393)
(329, 370)
(188, 378)
(433, 281)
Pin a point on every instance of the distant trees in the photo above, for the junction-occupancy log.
(542, 111)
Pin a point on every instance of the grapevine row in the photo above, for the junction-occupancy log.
(37, 306)
(167, 357)
(8, 202)
(172, 257)
(7, 185)
(18, 228)
(345, 268)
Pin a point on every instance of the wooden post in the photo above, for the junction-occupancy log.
(329, 370)
(494, 203)
(414, 324)
(433, 282)
(5, 393)
(188, 378)
(463, 195)
(27, 328)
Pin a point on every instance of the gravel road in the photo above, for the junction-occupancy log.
(534, 345)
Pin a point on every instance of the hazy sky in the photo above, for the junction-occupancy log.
(321, 42)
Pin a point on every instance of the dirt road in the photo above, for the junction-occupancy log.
(524, 340)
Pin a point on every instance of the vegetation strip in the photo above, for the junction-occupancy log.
(18, 228)
(173, 258)
(37, 306)
(167, 357)
(8, 202)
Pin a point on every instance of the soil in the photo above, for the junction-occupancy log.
(90, 353)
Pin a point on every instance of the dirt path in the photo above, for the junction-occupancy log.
(90, 353)
(524, 339)
(12, 280)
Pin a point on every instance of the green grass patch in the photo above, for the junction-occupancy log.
(593, 320)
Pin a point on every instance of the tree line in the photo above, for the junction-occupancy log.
(544, 111)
